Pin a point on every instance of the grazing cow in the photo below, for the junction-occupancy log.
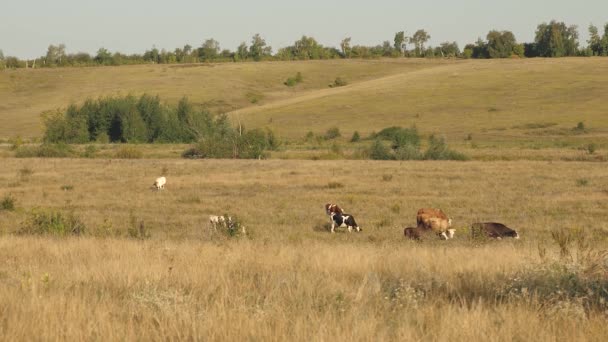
(492, 230)
(160, 182)
(414, 233)
(333, 208)
(435, 220)
(343, 220)
(224, 221)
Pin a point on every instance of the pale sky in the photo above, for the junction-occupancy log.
(133, 26)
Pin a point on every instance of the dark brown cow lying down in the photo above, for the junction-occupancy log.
(492, 230)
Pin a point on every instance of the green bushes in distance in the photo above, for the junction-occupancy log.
(45, 150)
(293, 81)
(127, 119)
(338, 82)
(7, 203)
(405, 145)
(356, 137)
(128, 152)
(228, 142)
(332, 133)
(52, 222)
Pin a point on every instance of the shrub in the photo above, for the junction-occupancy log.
(230, 143)
(582, 182)
(378, 151)
(90, 151)
(52, 222)
(334, 185)
(338, 82)
(438, 150)
(7, 203)
(292, 81)
(356, 137)
(580, 127)
(332, 133)
(309, 136)
(46, 150)
(128, 152)
(388, 133)
(408, 152)
(590, 148)
(137, 228)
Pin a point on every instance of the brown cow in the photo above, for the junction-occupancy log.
(435, 220)
(333, 208)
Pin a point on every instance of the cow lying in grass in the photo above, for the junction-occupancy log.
(492, 230)
(417, 233)
(344, 221)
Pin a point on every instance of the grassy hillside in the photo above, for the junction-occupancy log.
(532, 102)
(24, 94)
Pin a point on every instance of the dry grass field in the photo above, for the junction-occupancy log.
(147, 265)
(25, 94)
(289, 278)
(533, 102)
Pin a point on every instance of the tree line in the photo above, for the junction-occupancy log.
(130, 119)
(553, 39)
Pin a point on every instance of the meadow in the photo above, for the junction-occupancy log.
(289, 277)
(147, 266)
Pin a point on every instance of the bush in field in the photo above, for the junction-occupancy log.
(227, 142)
(338, 82)
(128, 152)
(379, 151)
(438, 150)
(332, 133)
(127, 120)
(292, 81)
(60, 150)
(7, 203)
(52, 222)
(356, 137)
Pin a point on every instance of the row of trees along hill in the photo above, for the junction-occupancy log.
(554, 39)
(145, 119)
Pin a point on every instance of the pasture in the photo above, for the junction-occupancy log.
(290, 278)
(148, 266)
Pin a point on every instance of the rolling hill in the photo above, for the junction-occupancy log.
(516, 102)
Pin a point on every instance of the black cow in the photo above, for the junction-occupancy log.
(344, 220)
(492, 230)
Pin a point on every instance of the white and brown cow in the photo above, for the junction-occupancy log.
(333, 208)
(435, 220)
(344, 221)
(492, 230)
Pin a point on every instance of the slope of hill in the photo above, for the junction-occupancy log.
(25, 94)
(495, 101)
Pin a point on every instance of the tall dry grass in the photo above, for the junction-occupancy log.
(290, 279)
(77, 289)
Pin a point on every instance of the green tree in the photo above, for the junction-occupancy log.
(258, 49)
(400, 42)
(345, 47)
(103, 57)
(595, 41)
(242, 52)
(419, 38)
(501, 44)
(604, 42)
(556, 40)
(209, 50)
(55, 54)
